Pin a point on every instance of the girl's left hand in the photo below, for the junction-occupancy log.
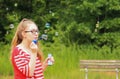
(51, 59)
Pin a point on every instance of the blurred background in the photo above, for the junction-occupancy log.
(70, 30)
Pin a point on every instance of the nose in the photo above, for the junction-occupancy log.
(36, 32)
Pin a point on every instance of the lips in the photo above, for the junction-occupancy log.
(35, 38)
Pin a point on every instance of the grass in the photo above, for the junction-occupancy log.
(6, 77)
(5, 64)
(66, 64)
(99, 75)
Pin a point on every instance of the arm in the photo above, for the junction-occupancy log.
(45, 63)
(33, 56)
(32, 63)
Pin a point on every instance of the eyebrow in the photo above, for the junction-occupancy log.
(32, 29)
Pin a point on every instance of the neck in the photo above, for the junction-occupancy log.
(26, 44)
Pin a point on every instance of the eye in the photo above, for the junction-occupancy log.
(33, 31)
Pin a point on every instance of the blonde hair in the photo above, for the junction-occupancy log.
(17, 39)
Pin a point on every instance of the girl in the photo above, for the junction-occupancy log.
(25, 54)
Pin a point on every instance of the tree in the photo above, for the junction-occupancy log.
(78, 21)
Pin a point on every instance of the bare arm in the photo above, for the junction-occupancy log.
(45, 63)
(33, 57)
(32, 63)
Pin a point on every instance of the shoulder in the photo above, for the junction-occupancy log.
(17, 50)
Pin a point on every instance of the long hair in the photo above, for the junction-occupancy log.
(17, 39)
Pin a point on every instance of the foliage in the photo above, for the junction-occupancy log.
(76, 21)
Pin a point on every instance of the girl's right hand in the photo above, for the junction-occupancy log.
(33, 47)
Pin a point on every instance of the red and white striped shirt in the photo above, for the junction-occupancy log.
(20, 61)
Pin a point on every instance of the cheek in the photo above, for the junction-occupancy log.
(30, 37)
(23, 35)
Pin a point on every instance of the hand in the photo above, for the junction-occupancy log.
(33, 47)
(49, 59)
(45, 63)
(52, 59)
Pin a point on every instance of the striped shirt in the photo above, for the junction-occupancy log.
(20, 62)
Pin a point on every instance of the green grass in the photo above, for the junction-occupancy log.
(66, 64)
(5, 64)
(6, 77)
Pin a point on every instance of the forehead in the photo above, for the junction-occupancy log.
(32, 26)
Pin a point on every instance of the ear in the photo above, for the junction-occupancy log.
(23, 34)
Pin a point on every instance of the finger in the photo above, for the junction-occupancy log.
(52, 59)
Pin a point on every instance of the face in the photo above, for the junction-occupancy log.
(31, 32)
